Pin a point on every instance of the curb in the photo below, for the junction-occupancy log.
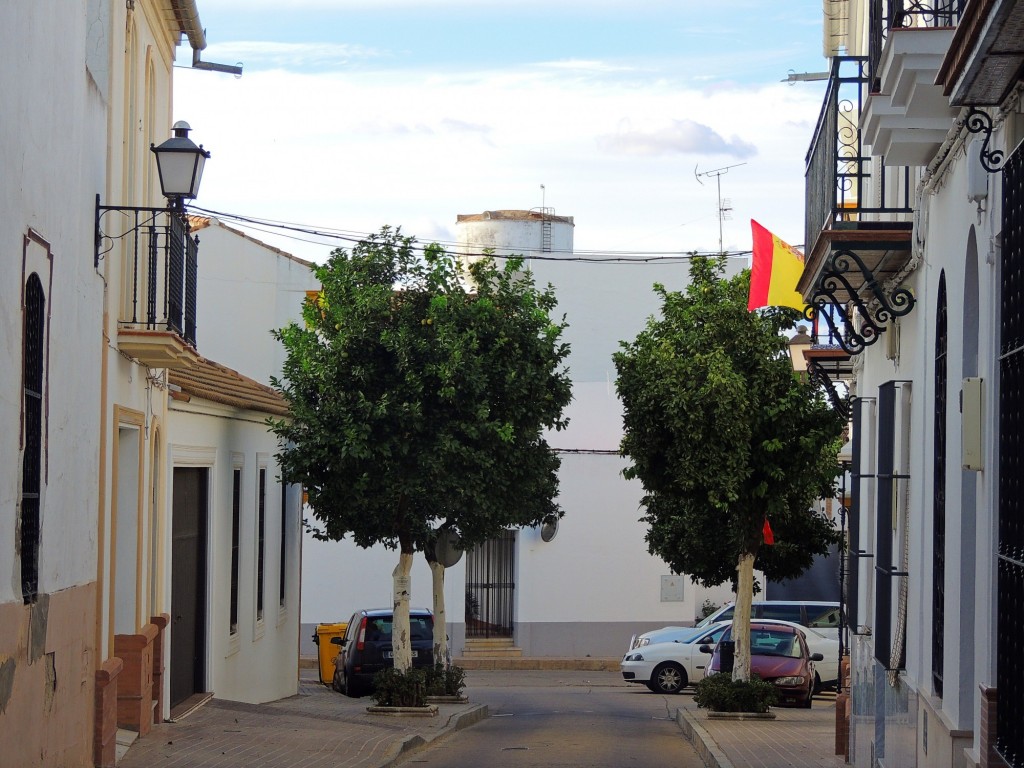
(456, 722)
(706, 747)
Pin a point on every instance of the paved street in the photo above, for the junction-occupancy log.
(564, 718)
(536, 718)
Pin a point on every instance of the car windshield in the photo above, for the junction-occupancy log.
(767, 642)
(378, 628)
(771, 642)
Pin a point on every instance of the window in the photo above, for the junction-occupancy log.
(236, 508)
(939, 495)
(284, 542)
(33, 357)
(261, 539)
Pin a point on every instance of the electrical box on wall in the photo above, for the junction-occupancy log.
(972, 405)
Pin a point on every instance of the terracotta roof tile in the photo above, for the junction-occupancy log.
(220, 384)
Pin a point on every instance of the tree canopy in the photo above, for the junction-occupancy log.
(419, 391)
(419, 397)
(722, 434)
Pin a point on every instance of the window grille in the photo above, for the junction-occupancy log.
(33, 354)
(261, 540)
(236, 515)
(284, 542)
(886, 511)
(939, 495)
(1010, 580)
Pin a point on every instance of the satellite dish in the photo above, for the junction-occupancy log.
(549, 528)
(447, 550)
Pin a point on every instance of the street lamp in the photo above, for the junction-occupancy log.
(180, 163)
(162, 252)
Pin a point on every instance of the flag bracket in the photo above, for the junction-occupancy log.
(872, 314)
(817, 374)
(981, 122)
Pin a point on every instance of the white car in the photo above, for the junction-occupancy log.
(665, 635)
(668, 667)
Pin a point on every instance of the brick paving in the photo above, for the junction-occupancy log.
(319, 728)
(796, 738)
(315, 729)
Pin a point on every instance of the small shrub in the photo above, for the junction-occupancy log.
(445, 681)
(707, 609)
(392, 688)
(720, 694)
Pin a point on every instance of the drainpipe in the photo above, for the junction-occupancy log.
(187, 16)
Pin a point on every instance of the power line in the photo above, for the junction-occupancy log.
(303, 233)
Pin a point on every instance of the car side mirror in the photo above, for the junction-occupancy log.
(706, 649)
(341, 641)
(817, 657)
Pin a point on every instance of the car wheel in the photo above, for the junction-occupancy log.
(810, 698)
(651, 686)
(336, 681)
(817, 683)
(669, 678)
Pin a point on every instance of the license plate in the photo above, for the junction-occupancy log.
(391, 655)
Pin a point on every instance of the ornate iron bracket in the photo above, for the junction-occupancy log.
(874, 315)
(981, 122)
(818, 375)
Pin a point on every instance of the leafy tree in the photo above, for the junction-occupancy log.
(723, 435)
(417, 401)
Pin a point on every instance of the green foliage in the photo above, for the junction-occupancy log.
(395, 688)
(720, 693)
(722, 433)
(707, 608)
(419, 392)
(444, 680)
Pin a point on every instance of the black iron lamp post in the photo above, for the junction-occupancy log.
(161, 251)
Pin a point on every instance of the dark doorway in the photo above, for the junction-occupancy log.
(188, 583)
(490, 587)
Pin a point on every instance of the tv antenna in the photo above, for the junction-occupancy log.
(723, 212)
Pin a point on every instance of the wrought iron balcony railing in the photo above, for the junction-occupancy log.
(161, 260)
(840, 184)
(885, 15)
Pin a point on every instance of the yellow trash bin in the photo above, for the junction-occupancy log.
(328, 650)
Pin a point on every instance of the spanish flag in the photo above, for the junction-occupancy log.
(776, 269)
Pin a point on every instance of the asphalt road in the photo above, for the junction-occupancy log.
(564, 718)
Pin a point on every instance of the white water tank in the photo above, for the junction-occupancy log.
(535, 233)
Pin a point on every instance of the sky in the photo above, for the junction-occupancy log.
(355, 114)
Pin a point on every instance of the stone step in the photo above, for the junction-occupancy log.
(492, 653)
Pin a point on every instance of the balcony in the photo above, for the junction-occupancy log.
(985, 58)
(858, 226)
(907, 116)
(157, 324)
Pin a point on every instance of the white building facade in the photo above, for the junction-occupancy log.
(915, 251)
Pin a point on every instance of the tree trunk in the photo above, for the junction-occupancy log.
(440, 619)
(741, 618)
(401, 644)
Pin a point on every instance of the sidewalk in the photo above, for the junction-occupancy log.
(315, 729)
(796, 738)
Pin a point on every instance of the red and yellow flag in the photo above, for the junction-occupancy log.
(775, 271)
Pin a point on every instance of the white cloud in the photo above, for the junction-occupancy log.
(679, 137)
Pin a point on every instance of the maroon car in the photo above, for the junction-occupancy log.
(778, 655)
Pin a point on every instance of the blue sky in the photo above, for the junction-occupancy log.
(352, 114)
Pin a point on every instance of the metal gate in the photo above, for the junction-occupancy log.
(1010, 618)
(490, 587)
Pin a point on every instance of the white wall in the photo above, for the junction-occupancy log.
(259, 662)
(246, 289)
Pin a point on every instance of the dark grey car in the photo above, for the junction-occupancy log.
(366, 648)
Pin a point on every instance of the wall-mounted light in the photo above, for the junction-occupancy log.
(180, 163)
